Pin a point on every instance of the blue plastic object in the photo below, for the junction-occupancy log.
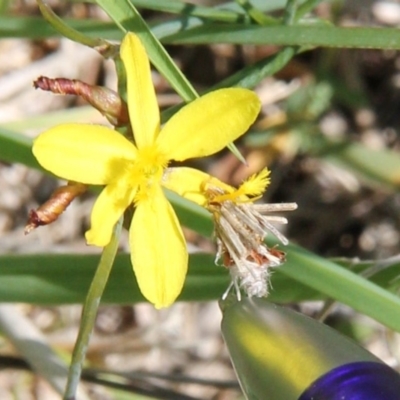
(356, 381)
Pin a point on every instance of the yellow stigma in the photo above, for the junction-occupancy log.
(256, 184)
(249, 191)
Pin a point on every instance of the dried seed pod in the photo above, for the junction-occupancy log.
(106, 101)
(49, 212)
(240, 229)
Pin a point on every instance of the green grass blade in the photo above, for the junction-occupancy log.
(65, 279)
(251, 76)
(256, 14)
(66, 30)
(128, 19)
(305, 8)
(224, 10)
(343, 285)
(62, 279)
(15, 147)
(38, 28)
(190, 10)
(325, 36)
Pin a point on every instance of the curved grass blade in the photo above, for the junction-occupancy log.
(65, 278)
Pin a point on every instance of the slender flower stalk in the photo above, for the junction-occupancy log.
(133, 172)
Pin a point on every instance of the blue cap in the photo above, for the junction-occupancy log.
(356, 381)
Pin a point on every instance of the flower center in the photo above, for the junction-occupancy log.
(146, 172)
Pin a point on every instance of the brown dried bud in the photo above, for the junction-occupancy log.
(106, 101)
(55, 206)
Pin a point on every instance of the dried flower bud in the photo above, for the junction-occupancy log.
(55, 206)
(240, 229)
(106, 101)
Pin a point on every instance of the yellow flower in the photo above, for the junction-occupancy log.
(135, 172)
(240, 227)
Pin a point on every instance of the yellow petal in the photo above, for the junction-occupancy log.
(209, 123)
(108, 208)
(192, 184)
(158, 250)
(90, 154)
(142, 102)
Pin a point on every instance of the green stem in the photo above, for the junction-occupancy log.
(89, 312)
